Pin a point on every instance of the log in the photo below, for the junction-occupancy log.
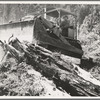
(14, 52)
(65, 75)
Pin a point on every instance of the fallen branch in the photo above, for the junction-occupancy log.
(14, 52)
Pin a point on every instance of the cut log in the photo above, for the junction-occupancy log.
(66, 75)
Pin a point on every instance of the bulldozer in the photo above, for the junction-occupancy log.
(44, 32)
(49, 35)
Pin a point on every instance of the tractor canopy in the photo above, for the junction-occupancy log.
(56, 12)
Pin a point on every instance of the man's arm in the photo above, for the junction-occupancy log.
(72, 27)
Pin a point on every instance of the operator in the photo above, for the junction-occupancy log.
(65, 24)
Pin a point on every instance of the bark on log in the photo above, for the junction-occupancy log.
(63, 73)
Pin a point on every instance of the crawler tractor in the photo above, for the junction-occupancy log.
(42, 31)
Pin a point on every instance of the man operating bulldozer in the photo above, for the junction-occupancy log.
(65, 25)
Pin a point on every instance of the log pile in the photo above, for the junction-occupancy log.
(65, 75)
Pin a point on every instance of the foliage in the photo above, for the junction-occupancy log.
(89, 36)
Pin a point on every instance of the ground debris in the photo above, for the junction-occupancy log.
(23, 80)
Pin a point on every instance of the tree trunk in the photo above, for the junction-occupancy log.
(65, 75)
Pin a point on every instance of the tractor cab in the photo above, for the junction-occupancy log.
(56, 15)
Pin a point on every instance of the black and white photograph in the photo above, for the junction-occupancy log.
(50, 49)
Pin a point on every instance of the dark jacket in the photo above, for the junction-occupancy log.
(64, 26)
